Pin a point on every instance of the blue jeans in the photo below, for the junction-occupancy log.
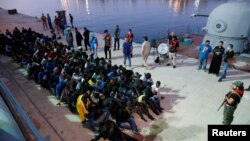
(224, 73)
(131, 122)
(103, 118)
(203, 63)
(127, 56)
(156, 103)
(94, 51)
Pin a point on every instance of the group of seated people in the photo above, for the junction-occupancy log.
(92, 87)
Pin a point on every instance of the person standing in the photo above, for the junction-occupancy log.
(71, 20)
(93, 44)
(78, 38)
(49, 22)
(44, 22)
(57, 24)
(69, 37)
(218, 52)
(117, 37)
(204, 51)
(145, 50)
(130, 37)
(107, 44)
(86, 38)
(228, 57)
(232, 99)
(127, 49)
(170, 37)
(174, 44)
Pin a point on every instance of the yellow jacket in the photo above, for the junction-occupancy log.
(90, 82)
(82, 108)
(140, 99)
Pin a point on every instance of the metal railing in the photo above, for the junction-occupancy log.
(17, 107)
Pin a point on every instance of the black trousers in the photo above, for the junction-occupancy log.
(117, 41)
(106, 51)
(86, 44)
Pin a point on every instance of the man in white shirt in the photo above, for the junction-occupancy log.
(156, 89)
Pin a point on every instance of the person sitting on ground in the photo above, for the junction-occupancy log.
(122, 115)
(146, 78)
(142, 108)
(82, 106)
(152, 100)
(156, 89)
(109, 130)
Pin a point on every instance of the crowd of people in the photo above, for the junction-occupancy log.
(91, 86)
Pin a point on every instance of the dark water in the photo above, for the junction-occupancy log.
(145, 17)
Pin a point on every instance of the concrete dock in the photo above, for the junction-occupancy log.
(191, 101)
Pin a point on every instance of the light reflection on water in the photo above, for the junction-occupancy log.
(146, 17)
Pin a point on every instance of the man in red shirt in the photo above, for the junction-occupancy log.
(174, 44)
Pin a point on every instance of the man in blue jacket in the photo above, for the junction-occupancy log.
(204, 51)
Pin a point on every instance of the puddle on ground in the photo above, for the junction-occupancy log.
(150, 133)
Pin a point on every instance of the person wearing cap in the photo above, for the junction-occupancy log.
(232, 99)
(145, 50)
(107, 44)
